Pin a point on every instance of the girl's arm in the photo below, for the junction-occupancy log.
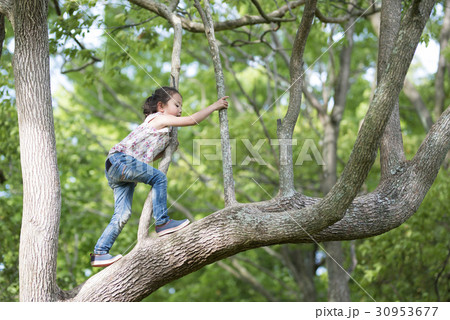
(166, 120)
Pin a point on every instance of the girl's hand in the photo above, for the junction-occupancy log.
(166, 120)
(222, 103)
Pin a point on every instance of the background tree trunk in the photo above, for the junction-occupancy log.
(41, 188)
(338, 288)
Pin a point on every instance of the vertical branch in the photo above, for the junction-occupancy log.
(228, 180)
(391, 147)
(286, 128)
(146, 215)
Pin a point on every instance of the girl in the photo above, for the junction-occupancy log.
(129, 162)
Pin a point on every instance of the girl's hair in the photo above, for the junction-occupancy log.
(163, 94)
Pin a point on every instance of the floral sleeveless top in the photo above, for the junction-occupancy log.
(145, 142)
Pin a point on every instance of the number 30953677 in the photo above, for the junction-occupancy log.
(406, 311)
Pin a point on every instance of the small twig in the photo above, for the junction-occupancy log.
(132, 25)
(272, 19)
(79, 68)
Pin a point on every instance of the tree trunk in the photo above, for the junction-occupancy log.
(41, 187)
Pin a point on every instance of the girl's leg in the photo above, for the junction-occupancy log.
(123, 196)
(133, 170)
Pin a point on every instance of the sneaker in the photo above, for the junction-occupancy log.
(103, 260)
(171, 226)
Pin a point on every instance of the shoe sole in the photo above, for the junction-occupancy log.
(167, 231)
(106, 263)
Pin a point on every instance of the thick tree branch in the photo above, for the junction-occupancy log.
(228, 180)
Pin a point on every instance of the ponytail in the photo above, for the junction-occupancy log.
(163, 94)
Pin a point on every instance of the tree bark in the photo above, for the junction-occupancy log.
(391, 148)
(41, 186)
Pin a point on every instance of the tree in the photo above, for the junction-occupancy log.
(290, 217)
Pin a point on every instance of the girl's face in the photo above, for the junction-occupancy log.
(173, 106)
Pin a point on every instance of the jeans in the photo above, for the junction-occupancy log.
(123, 175)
